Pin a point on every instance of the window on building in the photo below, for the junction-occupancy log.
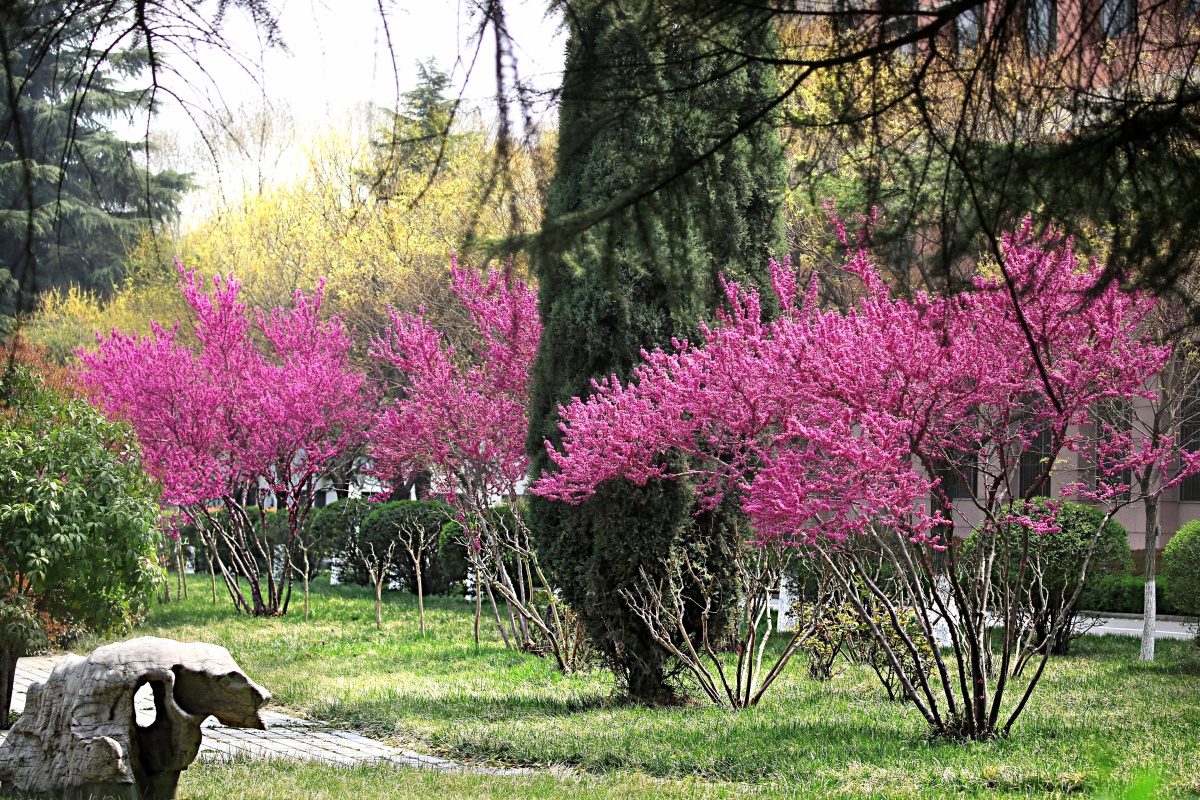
(1118, 17)
(959, 476)
(968, 28)
(900, 20)
(1118, 418)
(1034, 461)
(1041, 26)
(1189, 439)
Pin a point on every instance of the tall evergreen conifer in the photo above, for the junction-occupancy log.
(73, 193)
(632, 110)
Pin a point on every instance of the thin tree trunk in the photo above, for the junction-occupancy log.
(8, 675)
(183, 590)
(306, 586)
(379, 603)
(420, 599)
(212, 574)
(499, 624)
(478, 608)
(1150, 607)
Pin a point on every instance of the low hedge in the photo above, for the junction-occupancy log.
(1125, 594)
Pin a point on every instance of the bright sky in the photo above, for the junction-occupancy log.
(338, 58)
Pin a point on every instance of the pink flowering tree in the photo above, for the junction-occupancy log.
(460, 416)
(839, 432)
(259, 411)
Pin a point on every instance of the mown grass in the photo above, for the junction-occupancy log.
(1100, 723)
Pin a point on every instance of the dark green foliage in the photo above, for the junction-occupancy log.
(72, 192)
(1059, 557)
(1181, 568)
(334, 524)
(417, 136)
(1125, 594)
(444, 565)
(622, 267)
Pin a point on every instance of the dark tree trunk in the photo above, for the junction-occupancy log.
(8, 676)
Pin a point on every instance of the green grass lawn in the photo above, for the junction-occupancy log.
(1100, 724)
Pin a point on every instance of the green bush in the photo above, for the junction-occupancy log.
(840, 629)
(1181, 568)
(865, 648)
(1125, 594)
(444, 566)
(835, 626)
(334, 524)
(1060, 555)
(78, 523)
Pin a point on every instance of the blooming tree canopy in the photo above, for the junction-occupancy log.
(271, 397)
(825, 419)
(461, 415)
(835, 429)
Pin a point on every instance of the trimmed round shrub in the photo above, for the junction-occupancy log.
(333, 526)
(443, 565)
(1061, 558)
(1181, 568)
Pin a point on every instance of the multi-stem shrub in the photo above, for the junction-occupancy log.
(1053, 566)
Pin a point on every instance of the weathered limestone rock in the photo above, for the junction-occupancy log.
(79, 739)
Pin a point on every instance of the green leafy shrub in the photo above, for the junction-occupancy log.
(444, 564)
(836, 625)
(840, 629)
(864, 648)
(1056, 561)
(1181, 568)
(334, 525)
(78, 522)
(1125, 594)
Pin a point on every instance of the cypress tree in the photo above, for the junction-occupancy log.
(634, 275)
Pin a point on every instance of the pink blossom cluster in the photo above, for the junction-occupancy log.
(826, 421)
(273, 397)
(461, 416)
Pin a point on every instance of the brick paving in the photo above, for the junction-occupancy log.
(285, 736)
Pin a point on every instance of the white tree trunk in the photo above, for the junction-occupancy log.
(1150, 606)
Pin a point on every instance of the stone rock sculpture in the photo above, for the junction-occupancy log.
(79, 737)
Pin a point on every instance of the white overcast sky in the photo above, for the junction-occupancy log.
(338, 58)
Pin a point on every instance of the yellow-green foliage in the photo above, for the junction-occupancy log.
(325, 223)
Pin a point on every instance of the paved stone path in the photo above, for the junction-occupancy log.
(285, 736)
